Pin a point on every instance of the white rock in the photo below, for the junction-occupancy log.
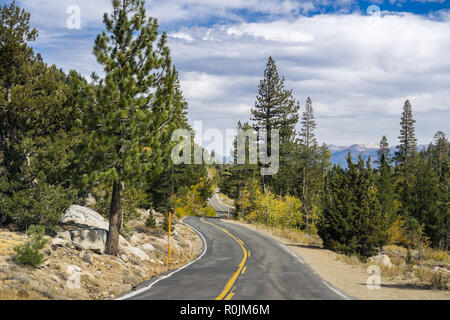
(148, 247)
(64, 235)
(60, 242)
(84, 216)
(90, 239)
(381, 259)
(136, 252)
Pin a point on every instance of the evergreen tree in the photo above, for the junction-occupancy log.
(425, 199)
(309, 148)
(237, 177)
(431, 191)
(275, 108)
(352, 221)
(386, 192)
(384, 152)
(440, 151)
(15, 54)
(132, 106)
(35, 148)
(405, 158)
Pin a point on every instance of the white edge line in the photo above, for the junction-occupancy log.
(291, 253)
(137, 292)
(336, 291)
(329, 286)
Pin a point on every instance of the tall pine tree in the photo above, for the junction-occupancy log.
(132, 106)
(38, 128)
(275, 108)
(405, 158)
(15, 53)
(308, 155)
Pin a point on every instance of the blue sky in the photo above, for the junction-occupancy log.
(358, 68)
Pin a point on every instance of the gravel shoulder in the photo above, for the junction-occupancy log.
(351, 277)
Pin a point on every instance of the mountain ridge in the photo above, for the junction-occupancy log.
(339, 153)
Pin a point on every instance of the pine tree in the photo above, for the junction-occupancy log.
(425, 200)
(442, 167)
(239, 176)
(35, 149)
(15, 54)
(132, 106)
(275, 108)
(308, 155)
(432, 186)
(386, 192)
(405, 157)
(384, 152)
(352, 221)
(440, 151)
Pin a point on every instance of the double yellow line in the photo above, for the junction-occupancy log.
(227, 294)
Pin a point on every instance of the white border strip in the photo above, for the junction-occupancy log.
(336, 291)
(137, 292)
(291, 253)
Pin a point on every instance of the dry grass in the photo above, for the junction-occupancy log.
(292, 235)
(437, 255)
(349, 259)
(437, 280)
(8, 241)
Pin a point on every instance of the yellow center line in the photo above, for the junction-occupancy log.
(233, 279)
(245, 269)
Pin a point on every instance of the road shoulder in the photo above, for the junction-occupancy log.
(349, 278)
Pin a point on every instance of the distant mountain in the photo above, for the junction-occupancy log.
(339, 153)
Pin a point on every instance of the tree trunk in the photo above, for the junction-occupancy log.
(112, 242)
(304, 198)
(8, 94)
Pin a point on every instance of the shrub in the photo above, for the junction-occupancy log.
(150, 221)
(192, 201)
(209, 211)
(29, 252)
(40, 205)
(277, 211)
(440, 256)
(439, 281)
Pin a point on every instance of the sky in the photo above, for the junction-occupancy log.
(358, 60)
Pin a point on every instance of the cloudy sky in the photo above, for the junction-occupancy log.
(358, 67)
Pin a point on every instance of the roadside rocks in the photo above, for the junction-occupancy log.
(381, 259)
(84, 216)
(127, 249)
(87, 258)
(90, 239)
(148, 247)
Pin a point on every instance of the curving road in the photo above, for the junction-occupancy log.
(238, 264)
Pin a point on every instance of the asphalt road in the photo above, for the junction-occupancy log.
(238, 264)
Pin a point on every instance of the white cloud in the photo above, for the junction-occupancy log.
(358, 69)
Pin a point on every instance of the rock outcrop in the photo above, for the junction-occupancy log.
(381, 259)
(84, 216)
(90, 231)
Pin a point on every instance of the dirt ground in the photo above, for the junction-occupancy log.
(351, 276)
(100, 276)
